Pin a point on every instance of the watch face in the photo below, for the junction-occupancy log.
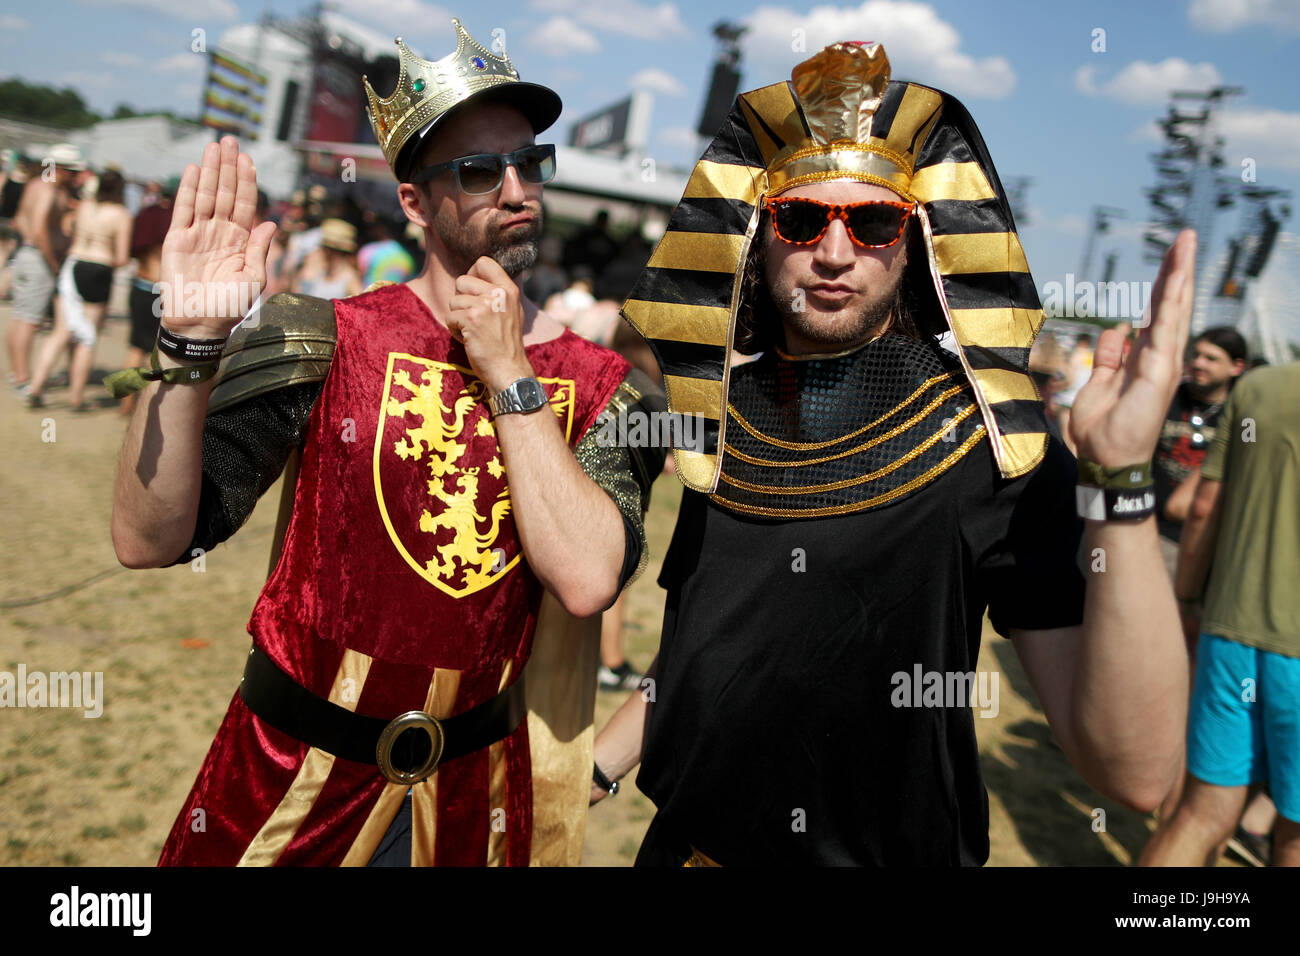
(531, 394)
(525, 395)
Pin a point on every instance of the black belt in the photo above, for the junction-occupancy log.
(402, 757)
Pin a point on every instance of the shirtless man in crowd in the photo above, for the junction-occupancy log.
(39, 222)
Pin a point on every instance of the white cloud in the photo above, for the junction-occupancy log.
(194, 10)
(82, 80)
(398, 14)
(620, 16)
(10, 22)
(1271, 137)
(921, 46)
(1147, 133)
(565, 76)
(1268, 136)
(1033, 215)
(1077, 225)
(1224, 16)
(1132, 230)
(682, 136)
(1070, 224)
(657, 81)
(560, 36)
(116, 58)
(182, 63)
(1141, 83)
(167, 37)
(374, 25)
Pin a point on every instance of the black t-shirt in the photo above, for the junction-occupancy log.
(777, 735)
(1184, 440)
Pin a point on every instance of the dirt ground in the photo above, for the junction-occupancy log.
(171, 644)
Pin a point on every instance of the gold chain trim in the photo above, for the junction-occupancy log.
(815, 445)
(851, 507)
(897, 429)
(861, 479)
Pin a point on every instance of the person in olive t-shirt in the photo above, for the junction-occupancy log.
(1244, 534)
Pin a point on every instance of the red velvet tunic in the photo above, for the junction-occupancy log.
(401, 586)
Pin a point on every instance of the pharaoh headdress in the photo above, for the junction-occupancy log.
(841, 118)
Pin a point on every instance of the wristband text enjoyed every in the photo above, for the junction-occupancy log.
(184, 349)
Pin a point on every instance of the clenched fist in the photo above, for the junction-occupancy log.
(488, 317)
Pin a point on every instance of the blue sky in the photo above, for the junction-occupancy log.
(1077, 122)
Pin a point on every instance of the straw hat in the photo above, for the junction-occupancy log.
(67, 156)
(338, 235)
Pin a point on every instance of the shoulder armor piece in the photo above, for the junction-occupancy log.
(289, 340)
(638, 393)
(638, 388)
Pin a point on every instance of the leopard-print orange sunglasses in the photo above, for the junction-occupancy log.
(803, 222)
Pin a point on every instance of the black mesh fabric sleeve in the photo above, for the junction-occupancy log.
(625, 473)
(610, 467)
(245, 448)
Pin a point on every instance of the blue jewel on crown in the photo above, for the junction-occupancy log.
(477, 63)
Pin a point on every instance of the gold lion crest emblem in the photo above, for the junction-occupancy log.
(439, 479)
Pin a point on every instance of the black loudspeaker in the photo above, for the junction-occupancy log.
(286, 112)
(722, 93)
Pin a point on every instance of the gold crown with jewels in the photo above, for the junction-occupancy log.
(427, 90)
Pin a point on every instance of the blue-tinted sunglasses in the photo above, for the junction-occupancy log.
(483, 172)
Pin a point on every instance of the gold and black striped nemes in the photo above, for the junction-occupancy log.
(920, 143)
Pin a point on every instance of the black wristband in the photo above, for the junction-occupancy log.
(603, 781)
(181, 349)
(1115, 504)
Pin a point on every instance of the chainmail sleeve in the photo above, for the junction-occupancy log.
(245, 447)
(623, 470)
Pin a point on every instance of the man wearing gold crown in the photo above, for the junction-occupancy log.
(866, 494)
(450, 514)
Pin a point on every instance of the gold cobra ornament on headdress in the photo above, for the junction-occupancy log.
(839, 91)
(842, 118)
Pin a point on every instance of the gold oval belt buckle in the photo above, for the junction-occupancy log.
(411, 720)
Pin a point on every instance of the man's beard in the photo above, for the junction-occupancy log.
(1202, 393)
(848, 327)
(514, 255)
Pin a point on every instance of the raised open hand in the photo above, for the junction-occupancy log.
(1117, 416)
(214, 255)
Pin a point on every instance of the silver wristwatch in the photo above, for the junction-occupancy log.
(525, 395)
